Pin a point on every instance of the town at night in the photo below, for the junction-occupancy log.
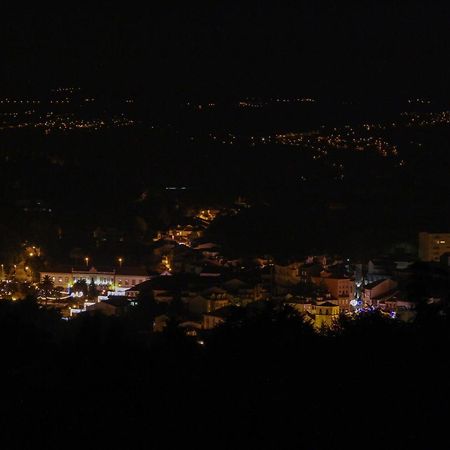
(225, 227)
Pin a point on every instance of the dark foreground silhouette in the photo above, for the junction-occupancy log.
(263, 380)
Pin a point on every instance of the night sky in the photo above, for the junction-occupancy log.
(395, 47)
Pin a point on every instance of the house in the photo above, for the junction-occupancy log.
(183, 233)
(323, 314)
(209, 250)
(217, 317)
(379, 290)
(181, 286)
(244, 293)
(287, 275)
(191, 327)
(160, 323)
(162, 288)
(115, 306)
(301, 305)
(398, 308)
(144, 287)
(340, 286)
(208, 301)
(344, 302)
(309, 270)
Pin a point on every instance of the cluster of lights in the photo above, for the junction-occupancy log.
(322, 142)
(201, 106)
(346, 139)
(419, 101)
(427, 119)
(9, 101)
(350, 138)
(166, 263)
(226, 139)
(68, 122)
(6, 289)
(251, 102)
(66, 90)
(207, 215)
(50, 121)
(255, 103)
(412, 120)
(60, 102)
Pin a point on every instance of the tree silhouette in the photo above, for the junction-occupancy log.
(92, 290)
(46, 287)
(81, 286)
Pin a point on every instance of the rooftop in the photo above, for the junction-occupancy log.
(374, 283)
(327, 304)
(224, 313)
(110, 270)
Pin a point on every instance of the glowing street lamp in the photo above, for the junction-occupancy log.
(120, 261)
(87, 261)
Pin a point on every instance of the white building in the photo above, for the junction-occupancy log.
(115, 279)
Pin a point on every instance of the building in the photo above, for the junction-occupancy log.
(397, 307)
(182, 234)
(114, 279)
(340, 287)
(287, 275)
(309, 270)
(379, 269)
(217, 317)
(433, 245)
(323, 314)
(160, 323)
(116, 306)
(379, 290)
(301, 305)
(209, 300)
(244, 293)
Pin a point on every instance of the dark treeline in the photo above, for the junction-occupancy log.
(263, 380)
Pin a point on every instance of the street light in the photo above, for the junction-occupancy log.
(87, 261)
(120, 261)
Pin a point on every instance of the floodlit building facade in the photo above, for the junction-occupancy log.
(113, 279)
(324, 314)
(338, 287)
